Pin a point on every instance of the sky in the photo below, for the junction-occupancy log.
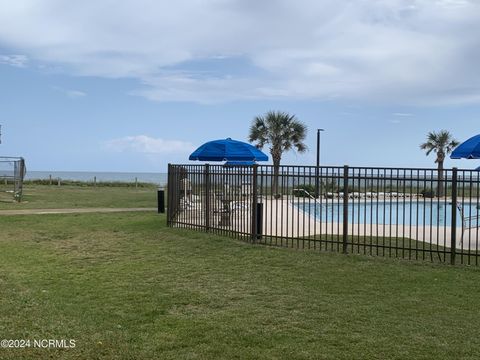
(102, 85)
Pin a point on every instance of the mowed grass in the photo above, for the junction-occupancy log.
(126, 287)
(53, 197)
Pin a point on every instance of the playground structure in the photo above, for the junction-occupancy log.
(12, 174)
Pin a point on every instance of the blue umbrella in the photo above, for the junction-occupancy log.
(470, 149)
(228, 150)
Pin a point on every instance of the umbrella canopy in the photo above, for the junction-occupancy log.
(470, 149)
(228, 150)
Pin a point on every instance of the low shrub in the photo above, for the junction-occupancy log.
(428, 193)
(54, 182)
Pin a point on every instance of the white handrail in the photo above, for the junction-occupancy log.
(468, 220)
(305, 192)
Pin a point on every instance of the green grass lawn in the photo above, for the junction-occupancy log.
(126, 287)
(50, 197)
(391, 247)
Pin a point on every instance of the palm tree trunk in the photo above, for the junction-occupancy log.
(440, 187)
(276, 175)
(276, 153)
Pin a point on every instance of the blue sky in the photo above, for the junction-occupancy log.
(136, 87)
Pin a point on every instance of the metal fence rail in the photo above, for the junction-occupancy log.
(408, 213)
(12, 174)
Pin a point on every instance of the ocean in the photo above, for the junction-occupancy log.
(154, 178)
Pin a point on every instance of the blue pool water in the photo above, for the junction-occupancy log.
(385, 213)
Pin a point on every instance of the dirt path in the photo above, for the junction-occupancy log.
(71, 211)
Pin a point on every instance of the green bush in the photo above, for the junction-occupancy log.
(325, 186)
(307, 187)
(428, 193)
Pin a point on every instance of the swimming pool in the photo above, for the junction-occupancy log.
(415, 213)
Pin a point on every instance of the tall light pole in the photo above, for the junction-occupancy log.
(317, 169)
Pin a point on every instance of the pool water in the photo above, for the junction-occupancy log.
(385, 213)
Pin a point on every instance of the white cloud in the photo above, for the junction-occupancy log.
(14, 60)
(72, 94)
(402, 114)
(148, 145)
(75, 94)
(397, 51)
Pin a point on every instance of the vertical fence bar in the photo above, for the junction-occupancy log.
(169, 196)
(260, 207)
(475, 220)
(254, 204)
(453, 241)
(339, 202)
(19, 177)
(470, 191)
(461, 180)
(207, 196)
(345, 208)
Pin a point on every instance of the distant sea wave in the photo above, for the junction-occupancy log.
(154, 178)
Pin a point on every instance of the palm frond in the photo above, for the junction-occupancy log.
(441, 143)
(283, 131)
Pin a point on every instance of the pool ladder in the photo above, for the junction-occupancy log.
(468, 221)
(306, 193)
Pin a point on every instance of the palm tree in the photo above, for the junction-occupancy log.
(283, 132)
(442, 144)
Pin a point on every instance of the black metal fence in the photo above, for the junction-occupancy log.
(12, 174)
(405, 213)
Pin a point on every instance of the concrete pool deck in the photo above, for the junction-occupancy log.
(283, 219)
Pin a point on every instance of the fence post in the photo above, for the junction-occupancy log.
(161, 200)
(254, 203)
(21, 177)
(345, 208)
(453, 241)
(207, 197)
(169, 195)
